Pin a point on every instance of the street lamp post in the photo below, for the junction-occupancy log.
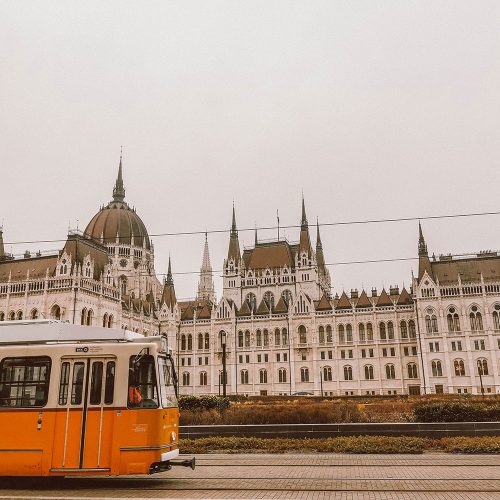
(480, 371)
(223, 341)
(220, 376)
(321, 380)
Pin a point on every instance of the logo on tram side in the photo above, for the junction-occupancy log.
(82, 349)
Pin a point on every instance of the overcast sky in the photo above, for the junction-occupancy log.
(374, 109)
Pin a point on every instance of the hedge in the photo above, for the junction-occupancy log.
(457, 411)
(196, 403)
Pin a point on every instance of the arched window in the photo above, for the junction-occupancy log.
(341, 334)
(2, 316)
(244, 376)
(19, 315)
(390, 372)
(240, 339)
(269, 298)
(258, 336)
(496, 317)
(34, 314)
(476, 320)
(321, 334)
(390, 330)
(90, 317)
(185, 378)
(369, 372)
(329, 336)
(459, 366)
(12, 316)
(105, 320)
(251, 300)
(203, 378)
(347, 372)
(361, 332)
(348, 330)
(302, 335)
(304, 374)
(110, 321)
(200, 341)
(482, 366)
(412, 370)
(369, 331)
(284, 336)
(437, 369)
(282, 375)
(83, 316)
(381, 331)
(266, 337)
(207, 341)
(263, 376)
(123, 285)
(64, 267)
(190, 342)
(431, 322)
(277, 336)
(453, 320)
(411, 329)
(55, 312)
(247, 338)
(404, 329)
(286, 295)
(327, 373)
(183, 342)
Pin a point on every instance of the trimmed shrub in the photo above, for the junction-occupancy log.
(482, 444)
(457, 411)
(200, 403)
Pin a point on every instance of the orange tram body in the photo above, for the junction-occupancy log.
(79, 400)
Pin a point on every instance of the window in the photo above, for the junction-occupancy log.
(390, 372)
(390, 330)
(167, 380)
(363, 353)
(414, 350)
(263, 376)
(496, 317)
(55, 312)
(282, 375)
(369, 372)
(369, 331)
(207, 341)
(434, 346)
(240, 339)
(266, 337)
(258, 336)
(284, 336)
(411, 329)
(186, 378)
(361, 332)
(453, 320)
(437, 370)
(285, 356)
(142, 374)
(370, 352)
(34, 314)
(459, 366)
(244, 376)
(64, 384)
(412, 370)
(2, 316)
(384, 352)
(482, 366)
(342, 354)
(277, 337)
(406, 351)
(347, 372)
(190, 342)
(77, 383)
(341, 334)
(304, 374)
(183, 342)
(431, 322)
(403, 327)
(476, 320)
(200, 341)
(96, 383)
(251, 300)
(329, 335)
(266, 358)
(321, 334)
(247, 338)
(24, 382)
(479, 345)
(348, 329)
(327, 373)
(456, 345)
(109, 385)
(322, 355)
(203, 378)
(302, 335)
(393, 351)
(381, 330)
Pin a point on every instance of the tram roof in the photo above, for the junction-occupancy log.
(53, 331)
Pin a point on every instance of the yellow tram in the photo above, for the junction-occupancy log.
(80, 400)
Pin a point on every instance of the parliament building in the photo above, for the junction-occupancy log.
(284, 331)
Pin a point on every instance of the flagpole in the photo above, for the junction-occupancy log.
(278, 217)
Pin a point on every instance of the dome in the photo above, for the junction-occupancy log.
(117, 219)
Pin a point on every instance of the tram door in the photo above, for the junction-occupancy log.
(84, 417)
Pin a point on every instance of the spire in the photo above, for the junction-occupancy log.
(170, 280)
(303, 222)
(234, 244)
(305, 240)
(168, 295)
(206, 289)
(319, 245)
(422, 247)
(119, 190)
(234, 231)
(320, 258)
(2, 249)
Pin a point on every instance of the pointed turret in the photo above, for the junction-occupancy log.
(320, 258)
(234, 244)
(119, 190)
(206, 289)
(2, 249)
(168, 295)
(424, 263)
(256, 238)
(305, 240)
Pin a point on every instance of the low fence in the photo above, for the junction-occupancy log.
(430, 430)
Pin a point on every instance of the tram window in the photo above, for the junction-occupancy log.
(77, 385)
(109, 388)
(167, 383)
(96, 383)
(142, 383)
(24, 382)
(64, 384)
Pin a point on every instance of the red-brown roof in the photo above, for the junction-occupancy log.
(277, 254)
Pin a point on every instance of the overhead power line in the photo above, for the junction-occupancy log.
(293, 226)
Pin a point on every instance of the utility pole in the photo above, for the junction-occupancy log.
(223, 340)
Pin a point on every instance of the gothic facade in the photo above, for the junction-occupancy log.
(284, 332)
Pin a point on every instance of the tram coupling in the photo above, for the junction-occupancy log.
(168, 464)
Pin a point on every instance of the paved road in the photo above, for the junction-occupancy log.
(314, 476)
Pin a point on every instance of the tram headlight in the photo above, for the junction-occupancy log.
(173, 435)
